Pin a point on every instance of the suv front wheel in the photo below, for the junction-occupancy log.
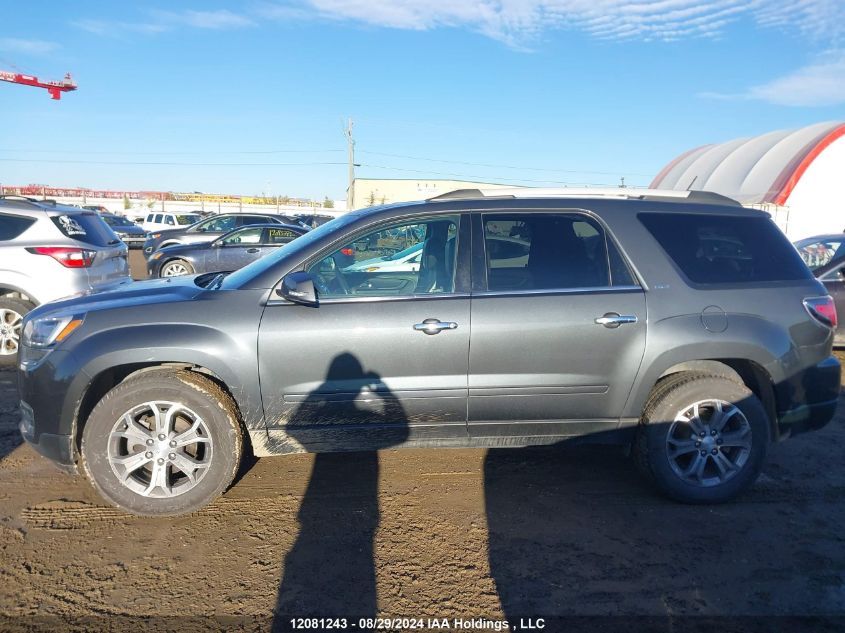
(162, 442)
(703, 438)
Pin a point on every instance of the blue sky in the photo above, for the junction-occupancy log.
(248, 97)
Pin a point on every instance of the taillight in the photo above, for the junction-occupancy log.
(823, 309)
(347, 251)
(67, 257)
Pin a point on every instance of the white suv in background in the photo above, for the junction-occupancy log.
(49, 251)
(157, 221)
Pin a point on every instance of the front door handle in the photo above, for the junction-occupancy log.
(614, 319)
(434, 326)
(252, 250)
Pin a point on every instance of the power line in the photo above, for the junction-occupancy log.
(475, 177)
(497, 166)
(133, 153)
(169, 164)
(303, 164)
(324, 151)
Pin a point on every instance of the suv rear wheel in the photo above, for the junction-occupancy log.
(12, 312)
(703, 438)
(163, 442)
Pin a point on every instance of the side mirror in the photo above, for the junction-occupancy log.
(298, 288)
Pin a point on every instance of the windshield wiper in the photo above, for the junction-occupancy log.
(214, 284)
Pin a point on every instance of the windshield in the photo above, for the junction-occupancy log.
(183, 220)
(240, 277)
(114, 220)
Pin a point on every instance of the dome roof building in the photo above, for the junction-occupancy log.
(796, 175)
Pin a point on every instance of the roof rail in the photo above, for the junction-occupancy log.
(15, 196)
(707, 197)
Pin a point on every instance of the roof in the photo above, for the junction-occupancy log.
(760, 169)
(597, 192)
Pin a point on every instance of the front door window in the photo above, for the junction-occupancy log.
(397, 260)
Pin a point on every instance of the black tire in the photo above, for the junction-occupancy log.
(199, 396)
(676, 394)
(9, 345)
(189, 270)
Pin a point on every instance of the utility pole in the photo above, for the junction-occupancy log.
(350, 150)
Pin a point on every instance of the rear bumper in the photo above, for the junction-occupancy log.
(817, 391)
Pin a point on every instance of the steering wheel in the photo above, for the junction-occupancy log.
(323, 287)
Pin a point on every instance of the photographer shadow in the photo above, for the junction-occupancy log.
(330, 570)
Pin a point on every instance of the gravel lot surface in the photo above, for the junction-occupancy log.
(521, 533)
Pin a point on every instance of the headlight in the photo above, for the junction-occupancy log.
(45, 331)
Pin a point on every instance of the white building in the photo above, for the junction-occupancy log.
(798, 176)
(367, 192)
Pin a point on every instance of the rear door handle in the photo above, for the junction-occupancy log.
(434, 326)
(614, 319)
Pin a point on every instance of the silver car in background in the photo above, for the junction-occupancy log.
(49, 251)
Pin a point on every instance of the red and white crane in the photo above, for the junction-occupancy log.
(55, 88)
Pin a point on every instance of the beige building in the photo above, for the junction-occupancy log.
(368, 192)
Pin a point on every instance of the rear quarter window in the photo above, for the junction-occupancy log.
(721, 249)
(85, 227)
(11, 226)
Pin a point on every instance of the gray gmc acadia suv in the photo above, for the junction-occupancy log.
(677, 323)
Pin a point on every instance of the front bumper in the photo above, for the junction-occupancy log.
(134, 241)
(50, 391)
(57, 448)
(153, 267)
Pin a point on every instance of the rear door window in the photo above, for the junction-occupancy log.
(85, 227)
(220, 224)
(545, 251)
(721, 249)
(254, 219)
(11, 226)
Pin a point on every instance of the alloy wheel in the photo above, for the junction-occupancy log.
(10, 331)
(160, 449)
(708, 443)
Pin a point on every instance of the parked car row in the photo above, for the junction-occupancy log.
(49, 251)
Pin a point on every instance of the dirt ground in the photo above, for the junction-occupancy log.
(501, 534)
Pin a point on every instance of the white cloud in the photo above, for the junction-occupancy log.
(26, 46)
(217, 20)
(110, 28)
(161, 21)
(517, 21)
(815, 85)
(818, 84)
